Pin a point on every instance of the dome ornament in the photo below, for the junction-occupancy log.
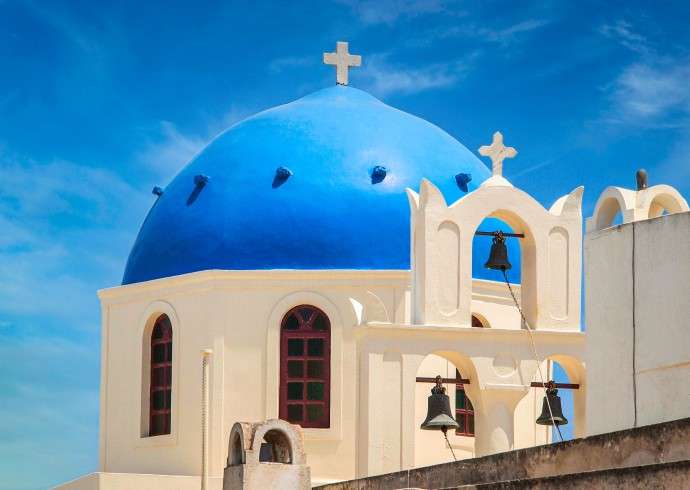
(342, 60)
(462, 179)
(378, 173)
(281, 176)
(498, 152)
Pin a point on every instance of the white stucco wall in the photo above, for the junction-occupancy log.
(637, 278)
(238, 315)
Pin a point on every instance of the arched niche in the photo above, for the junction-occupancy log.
(236, 448)
(277, 441)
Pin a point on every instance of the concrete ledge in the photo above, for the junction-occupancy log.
(649, 445)
(665, 475)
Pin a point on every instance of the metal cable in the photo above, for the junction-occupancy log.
(534, 351)
(445, 434)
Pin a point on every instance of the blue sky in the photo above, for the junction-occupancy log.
(99, 102)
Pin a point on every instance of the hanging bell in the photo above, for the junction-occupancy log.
(498, 256)
(555, 401)
(439, 416)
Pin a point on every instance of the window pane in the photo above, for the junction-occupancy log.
(470, 420)
(294, 413)
(169, 352)
(158, 377)
(295, 347)
(158, 425)
(468, 403)
(320, 324)
(461, 422)
(157, 331)
(295, 369)
(314, 413)
(294, 391)
(315, 369)
(306, 314)
(168, 376)
(168, 398)
(459, 399)
(159, 353)
(291, 323)
(314, 391)
(315, 347)
(158, 398)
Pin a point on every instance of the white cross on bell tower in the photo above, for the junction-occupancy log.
(342, 60)
(498, 152)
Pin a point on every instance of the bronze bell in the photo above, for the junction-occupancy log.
(498, 257)
(555, 402)
(439, 416)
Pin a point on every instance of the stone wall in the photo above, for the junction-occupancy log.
(668, 442)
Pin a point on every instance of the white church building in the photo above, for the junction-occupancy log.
(318, 263)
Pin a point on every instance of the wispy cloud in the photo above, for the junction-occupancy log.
(60, 217)
(166, 149)
(652, 94)
(280, 65)
(384, 78)
(389, 11)
(510, 34)
(622, 32)
(504, 37)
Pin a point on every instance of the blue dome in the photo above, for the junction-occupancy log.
(327, 215)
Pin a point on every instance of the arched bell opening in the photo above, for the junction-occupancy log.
(275, 448)
(457, 374)
(512, 257)
(533, 418)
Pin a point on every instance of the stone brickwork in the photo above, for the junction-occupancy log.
(658, 453)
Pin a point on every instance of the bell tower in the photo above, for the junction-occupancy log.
(442, 250)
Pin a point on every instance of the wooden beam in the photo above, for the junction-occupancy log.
(492, 233)
(461, 381)
(563, 386)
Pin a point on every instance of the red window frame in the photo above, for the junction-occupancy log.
(464, 411)
(305, 367)
(160, 387)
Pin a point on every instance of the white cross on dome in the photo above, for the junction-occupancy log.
(342, 60)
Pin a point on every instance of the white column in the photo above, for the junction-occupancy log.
(205, 359)
(495, 428)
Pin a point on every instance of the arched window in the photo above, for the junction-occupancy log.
(305, 367)
(476, 322)
(464, 411)
(161, 377)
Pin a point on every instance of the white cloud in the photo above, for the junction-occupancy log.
(169, 149)
(389, 11)
(622, 32)
(504, 37)
(655, 94)
(383, 78)
(65, 226)
(509, 34)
